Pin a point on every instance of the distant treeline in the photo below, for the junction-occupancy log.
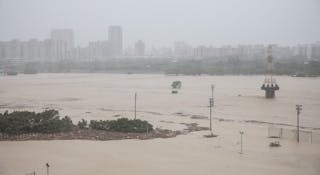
(23, 122)
(225, 66)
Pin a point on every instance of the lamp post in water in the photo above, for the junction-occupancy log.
(135, 105)
(299, 109)
(241, 133)
(47, 165)
(212, 88)
(211, 103)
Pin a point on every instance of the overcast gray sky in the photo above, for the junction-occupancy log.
(161, 22)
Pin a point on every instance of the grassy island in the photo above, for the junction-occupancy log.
(22, 122)
(48, 125)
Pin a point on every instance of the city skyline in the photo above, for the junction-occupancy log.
(148, 45)
(61, 46)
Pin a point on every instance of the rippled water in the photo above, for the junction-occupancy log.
(105, 96)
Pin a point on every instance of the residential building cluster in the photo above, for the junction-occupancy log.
(61, 46)
(184, 50)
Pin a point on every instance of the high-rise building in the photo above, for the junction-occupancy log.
(182, 49)
(315, 50)
(115, 40)
(64, 35)
(98, 50)
(139, 48)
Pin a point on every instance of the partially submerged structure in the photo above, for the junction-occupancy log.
(270, 84)
(176, 85)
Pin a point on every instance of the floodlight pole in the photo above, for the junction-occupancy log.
(299, 109)
(211, 102)
(212, 88)
(135, 105)
(47, 165)
(241, 149)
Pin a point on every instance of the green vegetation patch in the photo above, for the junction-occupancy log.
(20, 122)
(122, 125)
(24, 122)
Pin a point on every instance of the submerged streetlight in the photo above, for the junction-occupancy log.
(299, 109)
(135, 106)
(47, 165)
(241, 149)
(211, 103)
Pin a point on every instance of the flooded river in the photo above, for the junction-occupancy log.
(108, 96)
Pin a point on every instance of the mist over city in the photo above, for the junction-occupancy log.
(161, 23)
(159, 87)
(81, 36)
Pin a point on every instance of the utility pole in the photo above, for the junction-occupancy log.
(212, 88)
(211, 103)
(241, 133)
(135, 105)
(299, 109)
(47, 165)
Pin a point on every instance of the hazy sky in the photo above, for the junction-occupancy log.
(161, 22)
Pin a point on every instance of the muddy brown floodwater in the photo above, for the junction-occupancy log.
(110, 96)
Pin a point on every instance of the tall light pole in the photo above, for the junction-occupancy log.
(241, 133)
(212, 88)
(211, 102)
(135, 105)
(299, 109)
(47, 165)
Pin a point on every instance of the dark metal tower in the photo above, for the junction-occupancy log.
(270, 84)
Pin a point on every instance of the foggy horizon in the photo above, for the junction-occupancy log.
(162, 23)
